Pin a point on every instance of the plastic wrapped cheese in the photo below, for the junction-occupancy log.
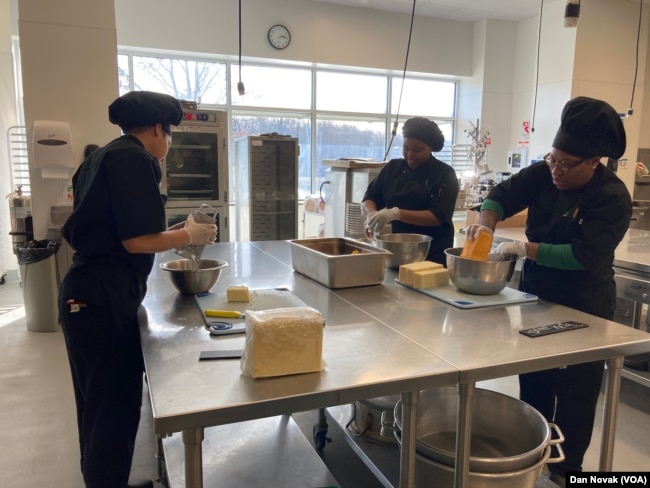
(283, 341)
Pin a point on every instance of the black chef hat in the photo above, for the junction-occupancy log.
(424, 130)
(590, 127)
(145, 109)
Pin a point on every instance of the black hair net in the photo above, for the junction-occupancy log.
(145, 109)
(590, 127)
(426, 131)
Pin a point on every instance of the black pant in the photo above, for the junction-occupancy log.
(566, 397)
(107, 373)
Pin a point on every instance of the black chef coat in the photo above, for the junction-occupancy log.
(116, 197)
(593, 219)
(432, 186)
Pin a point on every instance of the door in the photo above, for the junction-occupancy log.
(196, 167)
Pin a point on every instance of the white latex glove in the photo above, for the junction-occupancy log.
(377, 220)
(367, 230)
(177, 226)
(472, 231)
(201, 234)
(516, 248)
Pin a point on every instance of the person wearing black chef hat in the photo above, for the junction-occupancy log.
(116, 227)
(578, 212)
(417, 193)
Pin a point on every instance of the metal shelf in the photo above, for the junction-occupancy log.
(640, 377)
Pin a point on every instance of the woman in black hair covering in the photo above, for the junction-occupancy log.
(417, 193)
(578, 212)
(116, 227)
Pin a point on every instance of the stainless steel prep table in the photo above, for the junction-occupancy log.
(379, 341)
(485, 344)
(631, 272)
(364, 358)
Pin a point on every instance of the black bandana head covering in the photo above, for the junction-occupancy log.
(145, 109)
(424, 130)
(590, 127)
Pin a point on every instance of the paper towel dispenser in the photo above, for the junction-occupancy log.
(52, 146)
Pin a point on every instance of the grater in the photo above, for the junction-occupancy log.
(201, 216)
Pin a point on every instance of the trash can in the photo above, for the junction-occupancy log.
(38, 273)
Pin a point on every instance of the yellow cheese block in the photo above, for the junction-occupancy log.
(430, 278)
(283, 341)
(239, 293)
(406, 270)
(479, 248)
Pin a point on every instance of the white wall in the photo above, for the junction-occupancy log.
(556, 58)
(321, 33)
(595, 59)
(69, 72)
(8, 118)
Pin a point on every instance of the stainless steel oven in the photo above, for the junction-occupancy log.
(196, 167)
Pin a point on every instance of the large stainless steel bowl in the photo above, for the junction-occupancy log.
(406, 248)
(479, 277)
(507, 434)
(190, 279)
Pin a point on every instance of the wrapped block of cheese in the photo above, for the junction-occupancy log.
(406, 271)
(283, 341)
(479, 248)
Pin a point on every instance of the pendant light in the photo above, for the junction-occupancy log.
(240, 83)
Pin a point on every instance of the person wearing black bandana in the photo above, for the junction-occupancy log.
(578, 212)
(417, 193)
(117, 224)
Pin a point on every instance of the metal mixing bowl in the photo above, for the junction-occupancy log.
(190, 279)
(480, 277)
(406, 248)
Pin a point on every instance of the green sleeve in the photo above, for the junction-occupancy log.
(492, 205)
(558, 256)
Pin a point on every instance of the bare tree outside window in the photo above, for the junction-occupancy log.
(185, 79)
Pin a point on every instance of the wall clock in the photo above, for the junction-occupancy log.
(279, 36)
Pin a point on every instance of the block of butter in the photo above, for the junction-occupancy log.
(430, 278)
(406, 270)
(283, 341)
(238, 293)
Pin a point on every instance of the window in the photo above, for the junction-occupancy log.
(344, 92)
(185, 79)
(333, 113)
(348, 138)
(286, 88)
(427, 98)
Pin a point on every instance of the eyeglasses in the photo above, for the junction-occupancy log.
(562, 168)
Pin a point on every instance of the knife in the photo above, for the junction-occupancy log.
(233, 314)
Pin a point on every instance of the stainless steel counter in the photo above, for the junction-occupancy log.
(379, 340)
(631, 272)
(364, 358)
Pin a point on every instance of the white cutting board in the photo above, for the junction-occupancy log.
(262, 299)
(451, 295)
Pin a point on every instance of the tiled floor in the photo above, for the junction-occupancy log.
(38, 439)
